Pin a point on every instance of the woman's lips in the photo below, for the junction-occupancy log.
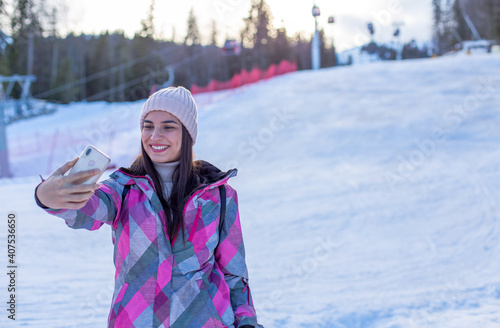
(158, 148)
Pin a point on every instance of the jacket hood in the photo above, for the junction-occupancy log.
(209, 173)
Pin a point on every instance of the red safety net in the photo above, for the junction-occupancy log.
(246, 77)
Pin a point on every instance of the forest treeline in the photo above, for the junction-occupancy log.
(113, 67)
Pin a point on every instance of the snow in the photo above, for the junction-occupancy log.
(368, 197)
(356, 56)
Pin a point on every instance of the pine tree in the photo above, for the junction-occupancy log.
(21, 18)
(257, 28)
(97, 63)
(20, 26)
(148, 29)
(281, 47)
(2, 14)
(55, 47)
(495, 18)
(3, 62)
(192, 36)
(436, 9)
(122, 56)
(257, 31)
(140, 48)
(26, 28)
(64, 77)
(324, 55)
(173, 34)
(213, 35)
(444, 27)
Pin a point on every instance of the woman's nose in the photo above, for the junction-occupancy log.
(156, 134)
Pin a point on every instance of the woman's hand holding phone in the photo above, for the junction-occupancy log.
(59, 191)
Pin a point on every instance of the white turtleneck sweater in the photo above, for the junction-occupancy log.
(166, 171)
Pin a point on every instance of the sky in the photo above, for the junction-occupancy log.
(170, 18)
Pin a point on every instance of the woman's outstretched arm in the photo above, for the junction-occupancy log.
(81, 206)
(59, 191)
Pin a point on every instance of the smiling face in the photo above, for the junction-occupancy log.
(162, 137)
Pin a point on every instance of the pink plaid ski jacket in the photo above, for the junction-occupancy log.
(202, 283)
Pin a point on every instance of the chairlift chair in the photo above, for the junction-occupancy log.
(231, 48)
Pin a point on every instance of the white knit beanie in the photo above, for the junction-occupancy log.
(177, 101)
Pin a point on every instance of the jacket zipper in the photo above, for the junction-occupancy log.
(196, 219)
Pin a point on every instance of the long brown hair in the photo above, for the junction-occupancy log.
(184, 178)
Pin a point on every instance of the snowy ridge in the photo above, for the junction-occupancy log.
(368, 197)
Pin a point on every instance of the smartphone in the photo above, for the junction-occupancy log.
(91, 158)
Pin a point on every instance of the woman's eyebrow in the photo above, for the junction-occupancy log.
(169, 121)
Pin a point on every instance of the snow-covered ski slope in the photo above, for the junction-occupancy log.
(368, 197)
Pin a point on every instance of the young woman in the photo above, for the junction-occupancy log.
(178, 247)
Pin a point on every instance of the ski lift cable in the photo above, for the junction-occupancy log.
(100, 74)
(136, 81)
(469, 22)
